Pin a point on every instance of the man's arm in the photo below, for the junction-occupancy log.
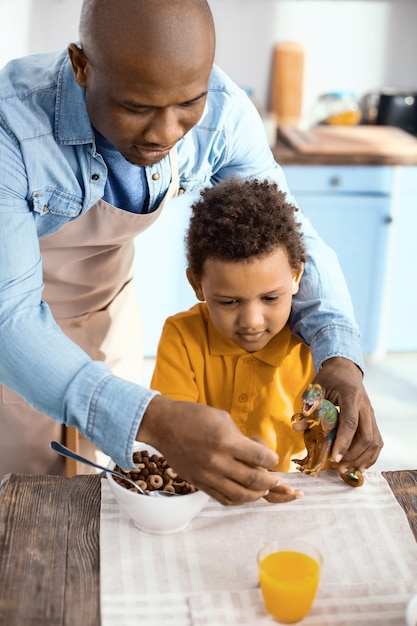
(58, 378)
(322, 314)
(358, 442)
(324, 298)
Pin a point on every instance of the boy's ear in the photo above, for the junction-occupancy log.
(195, 283)
(296, 279)
(79, 64)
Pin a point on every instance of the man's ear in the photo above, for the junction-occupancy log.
(79, 64)
(296, 279)
(195, 283)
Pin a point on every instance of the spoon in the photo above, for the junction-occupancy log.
(61, 449)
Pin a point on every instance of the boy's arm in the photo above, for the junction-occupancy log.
(173, 374)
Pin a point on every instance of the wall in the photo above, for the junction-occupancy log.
(30, 26)
(358, 45)
(350, 44)
(14, 29)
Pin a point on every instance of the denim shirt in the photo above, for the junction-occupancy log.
(51, 173)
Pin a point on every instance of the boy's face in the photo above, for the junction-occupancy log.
(249, 301)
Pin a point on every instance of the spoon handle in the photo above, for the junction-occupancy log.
(61, 449)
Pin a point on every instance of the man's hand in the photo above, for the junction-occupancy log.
(358, 442)
(282, 492)
(206, 448)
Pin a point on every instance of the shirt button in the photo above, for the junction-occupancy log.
(155, 176)
(180, 191)
(44, 208)
(95, 176)
(247, 359)
(243, 397)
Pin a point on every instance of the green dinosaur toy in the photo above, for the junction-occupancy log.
(319, 420)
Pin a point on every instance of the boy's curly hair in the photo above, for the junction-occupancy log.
(242, 219)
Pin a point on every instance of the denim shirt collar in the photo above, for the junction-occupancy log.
(72, 123)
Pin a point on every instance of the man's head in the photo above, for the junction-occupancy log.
(145, 66)
(245, 259)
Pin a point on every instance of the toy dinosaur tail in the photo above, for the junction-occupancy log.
(354, 479)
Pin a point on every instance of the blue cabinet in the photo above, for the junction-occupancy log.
(367, 214)
(401, 301)
(350, 206)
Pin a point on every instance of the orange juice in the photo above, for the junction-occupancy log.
(289, 582)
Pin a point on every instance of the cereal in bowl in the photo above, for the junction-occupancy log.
(154, 473)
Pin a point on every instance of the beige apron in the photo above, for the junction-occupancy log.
(88, 277)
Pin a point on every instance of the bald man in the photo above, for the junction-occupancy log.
(94, 142)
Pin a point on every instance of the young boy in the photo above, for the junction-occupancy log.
(234, 350)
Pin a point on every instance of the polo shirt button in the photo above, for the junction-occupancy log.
(243, 397)
(155, 176)
(247, 359)
(95, 176)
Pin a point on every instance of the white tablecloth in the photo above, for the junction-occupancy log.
(207, 574)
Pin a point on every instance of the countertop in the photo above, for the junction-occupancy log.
(286, 155)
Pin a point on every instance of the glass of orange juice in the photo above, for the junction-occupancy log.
(289, 574)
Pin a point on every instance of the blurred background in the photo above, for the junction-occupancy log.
(359, 47)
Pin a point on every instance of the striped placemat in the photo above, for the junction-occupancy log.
(207, 574)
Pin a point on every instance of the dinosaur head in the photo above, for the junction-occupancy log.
(311, 398)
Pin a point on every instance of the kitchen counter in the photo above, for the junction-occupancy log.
(287, 155)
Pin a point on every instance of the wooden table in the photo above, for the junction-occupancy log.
(49, 546)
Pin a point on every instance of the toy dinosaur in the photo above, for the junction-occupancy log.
(319, 420)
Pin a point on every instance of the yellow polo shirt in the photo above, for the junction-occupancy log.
(261, 390)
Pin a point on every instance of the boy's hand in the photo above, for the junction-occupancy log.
(358, 441)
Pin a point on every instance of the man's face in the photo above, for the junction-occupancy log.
(143, 108)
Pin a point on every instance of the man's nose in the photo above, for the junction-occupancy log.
(165, 128)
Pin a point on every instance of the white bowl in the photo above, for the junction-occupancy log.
(158, 516)
(412, 612)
